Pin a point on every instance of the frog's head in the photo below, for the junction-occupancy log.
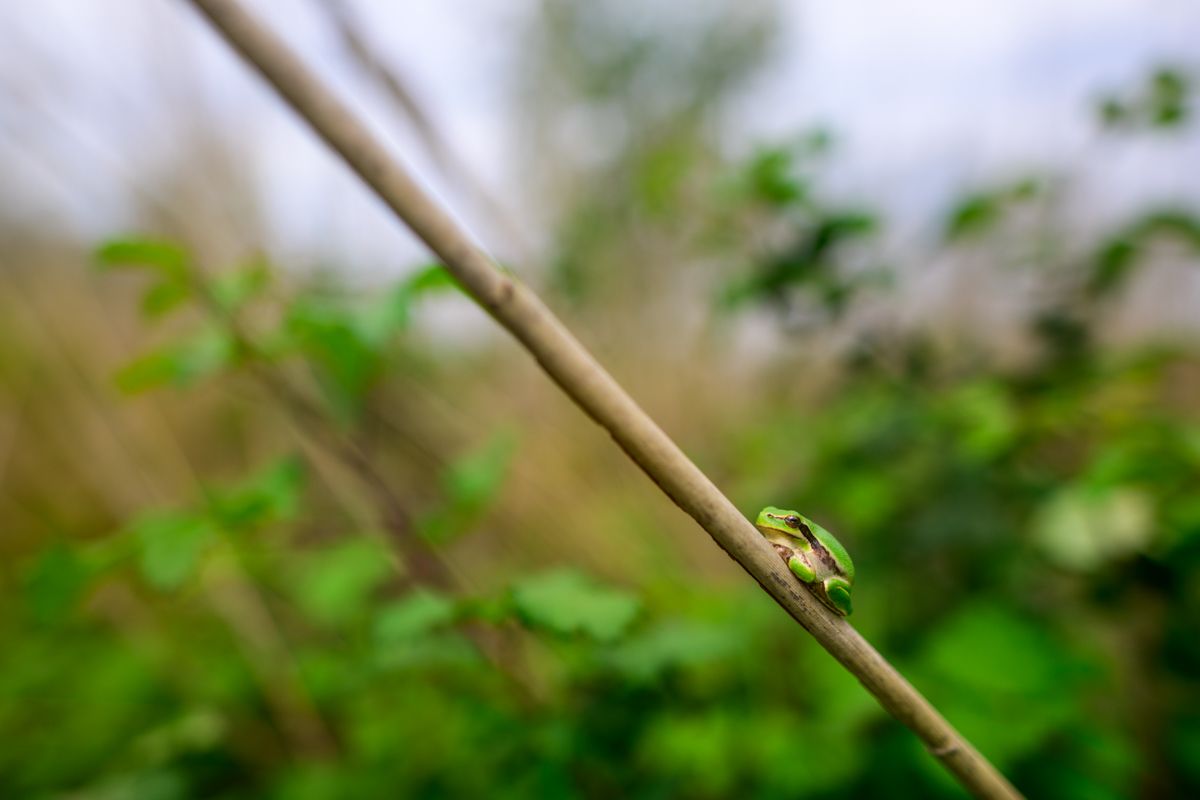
(775, 522)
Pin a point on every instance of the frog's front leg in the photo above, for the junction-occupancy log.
(795, 563)
(801, 569)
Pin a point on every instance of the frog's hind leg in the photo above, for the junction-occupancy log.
(838, 592)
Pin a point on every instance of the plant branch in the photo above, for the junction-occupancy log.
(578, 374)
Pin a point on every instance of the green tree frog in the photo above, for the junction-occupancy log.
(812, 553)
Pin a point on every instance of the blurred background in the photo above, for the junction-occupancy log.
(282, 514)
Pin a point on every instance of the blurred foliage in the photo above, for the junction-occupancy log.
(808, 253)
(1117, 258)
(360, 562)
(980, 211)
(1164, 101)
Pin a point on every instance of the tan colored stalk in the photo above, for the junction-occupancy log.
(578, 374)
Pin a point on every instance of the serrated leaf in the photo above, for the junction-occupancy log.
(567, 602)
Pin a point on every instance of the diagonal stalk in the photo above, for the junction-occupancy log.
(578, 374)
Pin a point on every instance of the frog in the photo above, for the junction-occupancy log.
(813, 554)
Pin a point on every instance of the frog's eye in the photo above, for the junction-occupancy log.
(792, 521)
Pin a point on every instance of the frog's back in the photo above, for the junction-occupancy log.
(834, 547)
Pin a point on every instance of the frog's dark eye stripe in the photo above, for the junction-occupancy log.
(808, 534)
(793, 521)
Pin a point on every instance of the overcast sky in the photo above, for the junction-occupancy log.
(926, 96)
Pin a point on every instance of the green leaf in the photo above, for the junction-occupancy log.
(419, 613)
(985, 420)
(194, 731)
(981, 212)
(863, 499)
(567, 602)
(992, 650)
(432, 278)
(673, 645)
(167, 259)
(171, 546)
(1168, 98)
(392, 313)
(235, 288)
(433, 651)
(55, 582)
(809, 263)
(694, 751)
(181, 364)
(470, 484)
(986, 663)
(154, 783)
(149, 371)
(1113, 112)
(474, 479)
(346, 363)
(345, 342)
(336, 585)
(973, 215)
(772, 180)
(1163, 101)
(163, 297)
(1112, 263)
(1094, 764)
(272, 495)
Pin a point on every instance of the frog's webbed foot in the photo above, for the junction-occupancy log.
(838, 592)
